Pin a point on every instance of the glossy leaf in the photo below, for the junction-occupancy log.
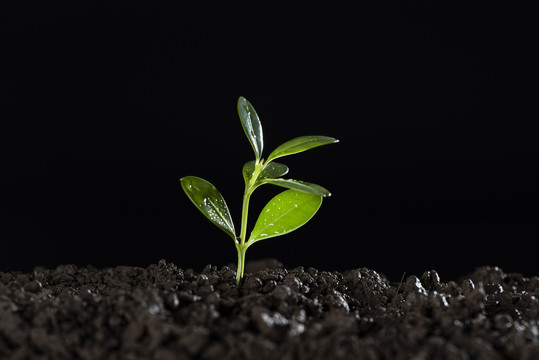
(251, 125)
(284, 213)
(210, 202)
(300, 144)
(299, 185)
(271, 171)
(248, 170)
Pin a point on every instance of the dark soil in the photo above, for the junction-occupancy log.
(163, 312)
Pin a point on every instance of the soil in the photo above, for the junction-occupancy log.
(164, 312)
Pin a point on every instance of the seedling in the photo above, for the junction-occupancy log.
(286, 212)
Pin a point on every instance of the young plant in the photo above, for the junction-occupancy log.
(286, 212)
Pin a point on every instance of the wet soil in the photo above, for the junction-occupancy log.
(164, 312)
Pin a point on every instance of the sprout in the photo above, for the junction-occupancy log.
(286, 212)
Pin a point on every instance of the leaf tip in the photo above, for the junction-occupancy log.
(332, 140)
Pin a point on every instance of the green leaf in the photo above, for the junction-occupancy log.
(273, 170)
(251, 125)
(284, 213)
(299, 185)
(300, 144)
(270, 171)
(210, 202)
(248, 170)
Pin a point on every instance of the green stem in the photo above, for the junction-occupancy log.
(241, 263)
(244, 215)
(241, 247)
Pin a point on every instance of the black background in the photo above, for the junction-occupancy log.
(106, 105)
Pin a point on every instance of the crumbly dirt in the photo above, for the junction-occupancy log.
(164, 312)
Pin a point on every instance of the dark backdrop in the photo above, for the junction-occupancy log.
(106, 106)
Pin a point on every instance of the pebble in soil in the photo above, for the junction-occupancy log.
(164, 312)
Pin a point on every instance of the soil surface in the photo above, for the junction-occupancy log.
(164, 312)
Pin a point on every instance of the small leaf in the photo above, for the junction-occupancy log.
(271, 170)
(248, 170)
(299, 185)
(300, 144)
(210, 202)
(284, 213)
(251, 125)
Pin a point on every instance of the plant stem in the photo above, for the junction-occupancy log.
(244, 215)
(241, 263)
(241, 247)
